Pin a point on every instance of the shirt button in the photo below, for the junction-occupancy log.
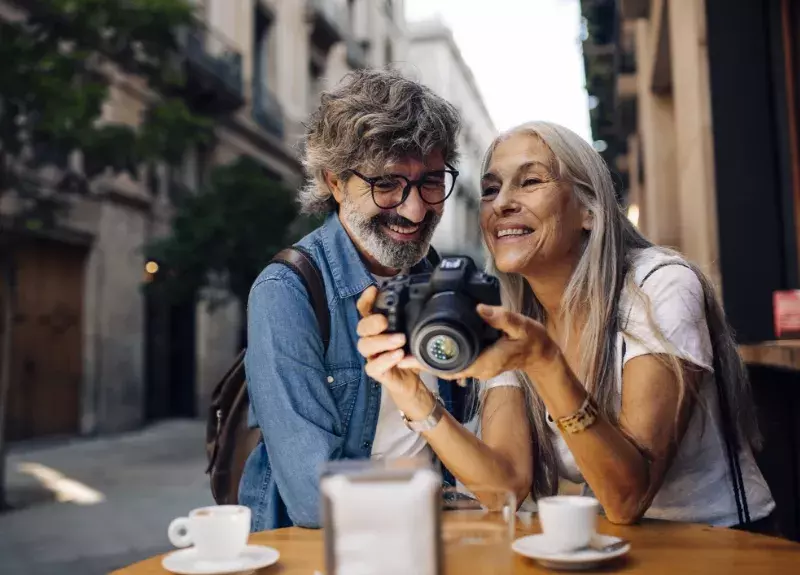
(366, 445)
(330, 379)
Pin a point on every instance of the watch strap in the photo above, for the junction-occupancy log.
(429, 422)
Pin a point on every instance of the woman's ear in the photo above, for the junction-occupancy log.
(335, 185)
(587, 219)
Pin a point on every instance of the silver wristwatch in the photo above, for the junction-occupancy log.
(429, 422)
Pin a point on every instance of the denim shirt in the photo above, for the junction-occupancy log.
(312, 406)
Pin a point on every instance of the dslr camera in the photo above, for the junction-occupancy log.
(436, 311)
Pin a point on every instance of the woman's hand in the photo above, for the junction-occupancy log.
(525, 344)
(384, 354)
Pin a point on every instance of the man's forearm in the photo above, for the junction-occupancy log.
(474, 462)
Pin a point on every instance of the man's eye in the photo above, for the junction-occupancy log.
(386, 185)
(433, 183)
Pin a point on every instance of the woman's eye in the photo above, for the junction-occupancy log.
(531, 182)
(488, 192)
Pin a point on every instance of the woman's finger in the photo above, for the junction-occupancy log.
(410, 362)
(379, 365)
(377, 344)
(490, 362)
(514, 324)
(366, 301)
(453, 376)
(372, 325)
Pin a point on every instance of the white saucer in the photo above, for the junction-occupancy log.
(185, 561)
(535, 547)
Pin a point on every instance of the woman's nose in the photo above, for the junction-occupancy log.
(504, 203)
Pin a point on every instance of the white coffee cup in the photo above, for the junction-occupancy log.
(218, 533)
(568, 521)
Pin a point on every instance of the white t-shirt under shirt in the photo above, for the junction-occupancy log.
(393, 438)
(698, 487)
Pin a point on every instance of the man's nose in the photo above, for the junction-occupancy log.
(414, 208)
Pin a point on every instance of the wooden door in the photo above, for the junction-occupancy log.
(46, 369)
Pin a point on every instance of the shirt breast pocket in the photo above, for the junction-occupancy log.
(343, 382)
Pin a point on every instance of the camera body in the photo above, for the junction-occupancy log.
(436, 311)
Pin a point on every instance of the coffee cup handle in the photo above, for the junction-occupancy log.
(178, 532)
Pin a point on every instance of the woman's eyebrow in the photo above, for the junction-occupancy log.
(533, 164)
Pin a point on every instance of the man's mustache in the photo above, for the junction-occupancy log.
(395, 219)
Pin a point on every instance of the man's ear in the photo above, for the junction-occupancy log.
(335, 185)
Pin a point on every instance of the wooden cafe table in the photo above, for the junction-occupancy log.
(657, 547)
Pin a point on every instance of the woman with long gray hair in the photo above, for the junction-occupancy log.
(619, 349)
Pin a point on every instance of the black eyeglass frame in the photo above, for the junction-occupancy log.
(372, 180)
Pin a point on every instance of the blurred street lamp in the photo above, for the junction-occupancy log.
(633, 214)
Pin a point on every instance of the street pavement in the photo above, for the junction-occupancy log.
(89, 506)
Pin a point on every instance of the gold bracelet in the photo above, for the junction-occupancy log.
(580, 420)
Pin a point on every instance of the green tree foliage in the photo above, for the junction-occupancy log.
(58, 59)
(226, 234)
(55, 80)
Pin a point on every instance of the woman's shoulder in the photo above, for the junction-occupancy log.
(662, 286)
(663, 300)
(643, 263)
(660, 273)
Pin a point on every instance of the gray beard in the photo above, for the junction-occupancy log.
(386, 251)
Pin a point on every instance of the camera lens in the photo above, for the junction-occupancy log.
(443, 348)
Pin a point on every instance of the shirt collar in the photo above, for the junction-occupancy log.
(350, 275)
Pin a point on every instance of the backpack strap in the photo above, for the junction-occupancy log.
(728, 428)
(229, 439)
(433, 257)
(300, 262)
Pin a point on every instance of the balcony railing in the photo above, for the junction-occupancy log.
(356, 54)
(329, 19)
(213, 69)
(267, 111)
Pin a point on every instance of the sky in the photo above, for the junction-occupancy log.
(525, 56)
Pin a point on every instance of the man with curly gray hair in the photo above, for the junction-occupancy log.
(379, 158)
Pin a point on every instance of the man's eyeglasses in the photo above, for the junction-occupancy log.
(391, 190)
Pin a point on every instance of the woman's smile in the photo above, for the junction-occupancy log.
(506, 233)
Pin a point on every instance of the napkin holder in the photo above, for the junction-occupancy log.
(382, 519)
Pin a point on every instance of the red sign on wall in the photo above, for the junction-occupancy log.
(786, 311)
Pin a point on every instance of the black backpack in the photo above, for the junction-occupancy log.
(229, 439)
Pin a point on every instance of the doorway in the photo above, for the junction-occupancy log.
(170, 358)
(47, 340)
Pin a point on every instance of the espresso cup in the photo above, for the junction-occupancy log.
(218, 533)
(568, 522)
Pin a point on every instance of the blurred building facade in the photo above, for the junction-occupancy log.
(697, 111)
(435, 60)
(696, 106)
(92, 354)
